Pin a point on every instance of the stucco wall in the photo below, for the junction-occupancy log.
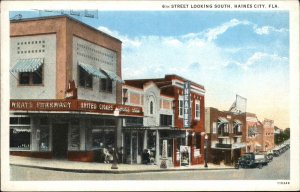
(84, 51)
(38, 46)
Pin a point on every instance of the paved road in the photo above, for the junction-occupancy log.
(279, 168)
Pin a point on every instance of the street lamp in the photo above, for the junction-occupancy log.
(205, 150)
(115, 161)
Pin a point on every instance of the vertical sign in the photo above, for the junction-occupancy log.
(186, 104)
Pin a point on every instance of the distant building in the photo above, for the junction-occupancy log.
(260, 135)
(226, 131)
(162, 101)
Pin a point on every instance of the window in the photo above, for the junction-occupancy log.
(75, 135)
(106, 85)
(197, 110)
(31, 78)
(151, 107)
(85, 79)
(165, 120)
(214, 127)
(180, 108)
(20, 133)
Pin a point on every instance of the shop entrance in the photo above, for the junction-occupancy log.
(60, 141)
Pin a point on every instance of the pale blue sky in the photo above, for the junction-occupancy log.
(229, 52)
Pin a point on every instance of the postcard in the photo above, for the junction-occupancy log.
(149, 95)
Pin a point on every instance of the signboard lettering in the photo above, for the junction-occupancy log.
(73, 105)
(186, 104)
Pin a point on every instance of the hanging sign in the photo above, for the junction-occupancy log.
(186, 104)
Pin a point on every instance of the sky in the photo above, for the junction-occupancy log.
(228, 52)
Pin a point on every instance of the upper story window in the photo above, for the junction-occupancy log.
(31, 78)
(106, 85)
(85, 79)
(30, 71)
(197, 110)
(151, 107)
(180, 108)
(165, 120)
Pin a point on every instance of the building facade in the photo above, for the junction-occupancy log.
(65, 89)
(259, 135)
(226, 135)
(162, 103)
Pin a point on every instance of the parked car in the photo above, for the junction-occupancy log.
(252, 160)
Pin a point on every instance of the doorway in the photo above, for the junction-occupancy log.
(60, 141)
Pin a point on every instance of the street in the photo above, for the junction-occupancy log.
(278, 169)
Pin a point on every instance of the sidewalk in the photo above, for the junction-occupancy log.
(94, 167)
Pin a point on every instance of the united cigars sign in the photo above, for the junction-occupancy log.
(186, 104)
(73, 105)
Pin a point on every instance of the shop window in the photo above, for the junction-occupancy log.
(140, 142)
(75, 135)
(134, 121)
(85, 79)
(102, 138)
(106, 85)
(20, 133)
(165, 120)
(31, 78)
(197, 110)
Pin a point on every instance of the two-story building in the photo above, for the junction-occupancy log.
(162, 101)
(65, 89)
(226, 135)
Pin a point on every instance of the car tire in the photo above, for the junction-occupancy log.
(260, 166)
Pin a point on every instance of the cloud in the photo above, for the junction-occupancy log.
(266, 30)
(127, 42)
(213, 33)
(267, 60)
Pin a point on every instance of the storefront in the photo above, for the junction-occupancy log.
(66, 129)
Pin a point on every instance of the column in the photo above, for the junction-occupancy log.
(145, 144)
(119, 132)
(157, 147)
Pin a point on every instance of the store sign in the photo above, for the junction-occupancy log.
(71, 92)
(73, 105)
(186, 104)
(196, 153)
(185, 152)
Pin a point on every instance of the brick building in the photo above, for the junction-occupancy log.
(226, 135)
(162, 103)
(65, 85)
(259, 135)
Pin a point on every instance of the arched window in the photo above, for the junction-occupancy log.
(151, 107)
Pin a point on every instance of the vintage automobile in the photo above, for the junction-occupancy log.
(252, 160)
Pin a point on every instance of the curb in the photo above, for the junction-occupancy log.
(116, 171)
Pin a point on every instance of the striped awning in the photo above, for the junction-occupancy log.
(92, 70)
(27, 65)
(223, 120)
(113, 76)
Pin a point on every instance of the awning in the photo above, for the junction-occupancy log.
(113, 76)
(92, 70)
(27, 65)
(223, 120)
(238, 122)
